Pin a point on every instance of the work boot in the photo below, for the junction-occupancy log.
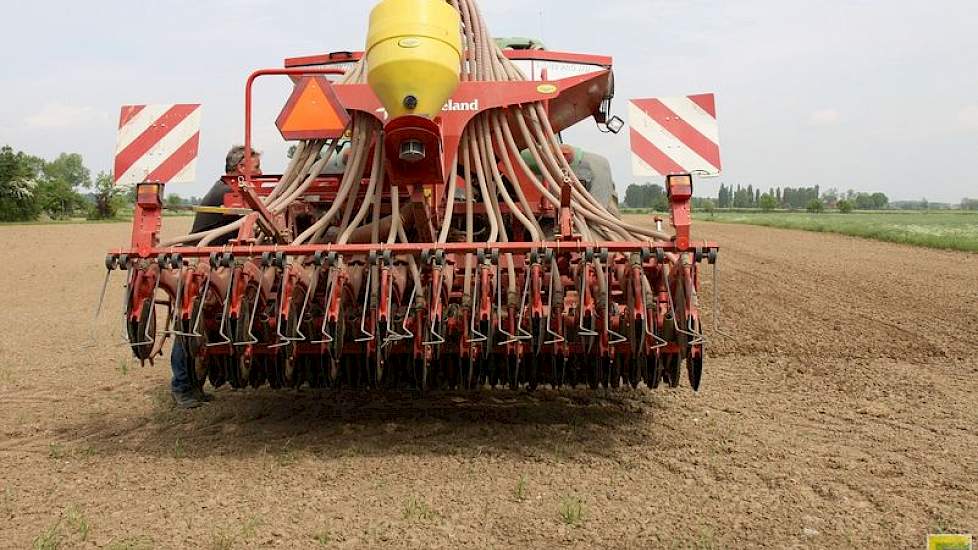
(201, 395)
(186, 400)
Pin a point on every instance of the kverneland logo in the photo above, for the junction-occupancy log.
(453, 105)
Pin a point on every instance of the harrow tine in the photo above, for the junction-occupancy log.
(251, 322)
(148, 339)
(522, 334)
(392, 335)
(110, 266)
(477, 337)
(716, 300)
(330, 281)
(405, 333)
(285, 340)
(310, 290)
(499, 308)
(437, 339)
(614, 337)
(125, 301)
(581, 329)
(367, 291)
(698, 338)
(558, 339)
(203, 298)
(224, 314)
(177, 297)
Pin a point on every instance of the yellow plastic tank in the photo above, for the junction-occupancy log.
(414, 55)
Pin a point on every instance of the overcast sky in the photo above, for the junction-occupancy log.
(861, 94)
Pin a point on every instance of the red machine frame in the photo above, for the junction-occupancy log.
(634, 324)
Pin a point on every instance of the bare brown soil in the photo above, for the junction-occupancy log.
(839, 410)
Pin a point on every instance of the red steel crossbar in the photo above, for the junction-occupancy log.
(417, 248)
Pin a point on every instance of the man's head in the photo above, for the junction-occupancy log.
(234, 165)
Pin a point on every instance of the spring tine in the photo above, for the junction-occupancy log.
(392, 335)
(581, 329)
(283, 340)
(367, 337)
(181, 290)
(224, 314)
(406, 332)
(617, 338)
(521, 334)
(310, 289)
(148, 339)
(697, 338)
(251, 322)
(200, 311)
(437, 339)
(716, 301)
(177, 298)
(550, 304)
(125, 305)
(499, 308)
(254, 313)
(98, 308)
(330, 281)
(477, 336)
(159, 277)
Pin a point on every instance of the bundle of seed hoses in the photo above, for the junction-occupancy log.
(490, 131)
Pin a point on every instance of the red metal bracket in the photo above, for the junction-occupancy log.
(679, 189)
(148, 217)
(266, 219)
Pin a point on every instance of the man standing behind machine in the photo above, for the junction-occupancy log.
(186, 394)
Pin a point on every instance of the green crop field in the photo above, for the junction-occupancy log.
(953, 230)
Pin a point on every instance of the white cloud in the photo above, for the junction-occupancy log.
(62, 116)
(968, 117)
(824, 117)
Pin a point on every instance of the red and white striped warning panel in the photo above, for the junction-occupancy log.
(157, 144)
(675, 135)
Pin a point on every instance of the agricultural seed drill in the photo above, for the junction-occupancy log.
(435, 256)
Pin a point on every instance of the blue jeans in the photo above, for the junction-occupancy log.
(180, 365)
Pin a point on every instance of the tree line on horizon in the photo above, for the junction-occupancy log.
(33, 188)
(653, 196)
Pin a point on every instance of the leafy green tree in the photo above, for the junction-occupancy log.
(68, 168)
(880, 201)
(969, 204)
(844, 206)
(60, 181)
(710, 207)
(109, 198)
(815, 206)
(174, 200)
(58, 199)
(18, 185)
(768, 202)
(647, 196)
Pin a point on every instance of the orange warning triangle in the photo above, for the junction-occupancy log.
(313, 112)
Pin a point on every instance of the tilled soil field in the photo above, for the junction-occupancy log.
(839, 410)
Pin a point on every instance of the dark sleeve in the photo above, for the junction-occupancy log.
(204, 221)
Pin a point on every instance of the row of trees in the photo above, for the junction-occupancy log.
(797, 198)
(792, 198)
(61, 188)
